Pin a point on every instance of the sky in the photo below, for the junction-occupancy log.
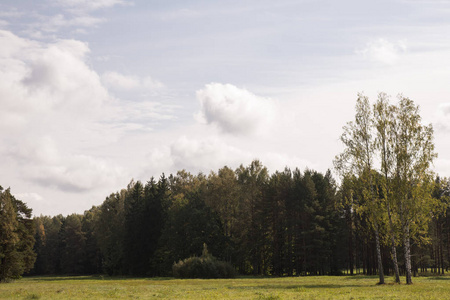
(94, 93)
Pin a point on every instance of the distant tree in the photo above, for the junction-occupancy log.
(92, 258)
(39, 247)
(132, 243)
(252, 180)
(190, 222)
(109, 233)
(53, 245)
(16, 237)
(222, 196)
(277, 192)
(73, 249)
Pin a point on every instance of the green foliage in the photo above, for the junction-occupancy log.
(397, 201)
(187, 228)
(288, 223)
(16, 237)
(206, 266)
(144, 213)
(109, 232)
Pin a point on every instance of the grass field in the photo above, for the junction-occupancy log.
(324, 287)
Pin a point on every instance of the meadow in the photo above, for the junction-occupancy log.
(323, 287)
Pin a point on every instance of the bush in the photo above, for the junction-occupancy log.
(205, 266)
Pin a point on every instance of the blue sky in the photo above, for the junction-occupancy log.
(94, 93)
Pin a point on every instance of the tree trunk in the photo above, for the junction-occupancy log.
(394, 260)
(407, 250)
(380, 262)
(350, 241)
(441, 253)
(448, 239)
(394, 248)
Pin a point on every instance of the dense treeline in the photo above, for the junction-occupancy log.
(287, 223)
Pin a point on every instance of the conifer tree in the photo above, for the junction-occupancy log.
(16, 237)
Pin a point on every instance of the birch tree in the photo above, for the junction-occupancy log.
(357, 159)
(383, 120)
(413, 150)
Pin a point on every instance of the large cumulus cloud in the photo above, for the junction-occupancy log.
(57, 117)
(50, 101)
(235, 110)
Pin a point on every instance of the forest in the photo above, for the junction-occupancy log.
(387, 213)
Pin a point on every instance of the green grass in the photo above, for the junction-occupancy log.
(324, 287)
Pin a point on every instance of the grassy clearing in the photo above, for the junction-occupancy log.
(357, 287)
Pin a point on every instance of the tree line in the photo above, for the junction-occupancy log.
(284, 224)
(389, 214)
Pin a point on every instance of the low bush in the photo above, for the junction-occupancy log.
(205, 266)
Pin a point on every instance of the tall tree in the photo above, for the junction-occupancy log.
(357, 159)
(190, 223)
(222, 196)
(132, 243)
(413, 149)
(109, 232)
(252, 180)
(92, 259)
(384, 118)
(73, 249)
(16, 237)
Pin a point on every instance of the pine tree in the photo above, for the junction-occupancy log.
(16, 237)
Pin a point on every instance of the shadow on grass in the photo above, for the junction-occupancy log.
(362, 277)
(438, 278)
(93, 278)
(300, 286)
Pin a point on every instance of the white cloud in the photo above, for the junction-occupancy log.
(44, 79)
(117, 81)
(442, 121)
(278, 161)
(45, 83)
(54, 109)
(442, 167)
(73, 15)
(212, 153)
(29, 197)
(59, 21)
(91, 4)
(46, 165)
(445, 109)
(194, 155)
(204, 154)
(235, 110)
(383, 51)
(10, 13)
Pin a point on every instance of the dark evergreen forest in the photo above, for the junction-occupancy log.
(286, 224)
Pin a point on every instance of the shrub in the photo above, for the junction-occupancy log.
(205, 266)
